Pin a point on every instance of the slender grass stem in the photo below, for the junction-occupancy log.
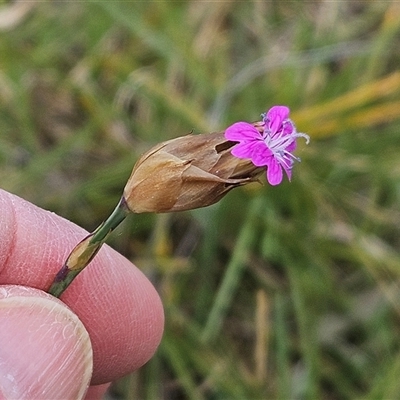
(85, 250)
(233, 274)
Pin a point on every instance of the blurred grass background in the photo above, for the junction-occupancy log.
(275, 292)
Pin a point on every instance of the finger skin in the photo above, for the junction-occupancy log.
(119, 307)
(97, 392)
(56, 360)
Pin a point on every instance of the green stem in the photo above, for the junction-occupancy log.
(85, 251)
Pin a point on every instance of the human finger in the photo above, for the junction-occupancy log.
(118, 305)
(45, 350)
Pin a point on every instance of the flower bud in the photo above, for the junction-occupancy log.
(185, 173)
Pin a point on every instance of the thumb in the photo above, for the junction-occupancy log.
(45, 351)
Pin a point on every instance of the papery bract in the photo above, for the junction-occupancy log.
(185, 173)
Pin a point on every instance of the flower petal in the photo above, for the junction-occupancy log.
(261, 154)
(288, 173)
(291, 147)
(244, 149)
(276, 115)
(288, 127)
(274, 172)
(240, 131)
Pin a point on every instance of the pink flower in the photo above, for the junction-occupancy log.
(269, 143)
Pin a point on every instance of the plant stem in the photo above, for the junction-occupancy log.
(85, 250)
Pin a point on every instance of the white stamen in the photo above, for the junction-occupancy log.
(278, 144)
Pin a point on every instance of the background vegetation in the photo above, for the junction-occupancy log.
(275, 292)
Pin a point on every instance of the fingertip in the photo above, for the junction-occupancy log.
(45, 350)
(96, 392)
(122, 312)
(7, 231)
(118, 305)
(34, 242)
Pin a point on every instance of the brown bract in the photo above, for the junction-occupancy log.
(185, 173)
